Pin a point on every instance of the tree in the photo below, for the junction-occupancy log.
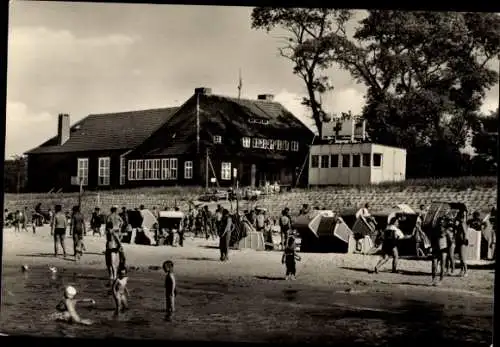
(426, 74)
(485, 142)
(301, 26)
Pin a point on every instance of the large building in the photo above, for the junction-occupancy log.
(210, 137)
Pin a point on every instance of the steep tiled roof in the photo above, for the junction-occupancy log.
(113, 131)
(221, 115)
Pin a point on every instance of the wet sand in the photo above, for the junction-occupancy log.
(334, 299)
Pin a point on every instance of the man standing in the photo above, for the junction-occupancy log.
(125, 226)
(96, 222)
(78, 230)
(113, 245)
(58, 229)
(226, 226)
(285, 226)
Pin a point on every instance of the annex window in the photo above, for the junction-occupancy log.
(286, 145)
(217, 139)
(148, 169)
(123, 171)
(377, 160)
(254, 143)
(104, 171)
(188, 170)
(245, 142)
(83, 170)
(173, 168)
(314, 161)
(156, 169)
(324, 161)
(334, 160)
(356, 160)
(225, 173)
(279, 145)
(132, 167)
(139, 170)
(295, 146)
(346, 160)
(366, 159)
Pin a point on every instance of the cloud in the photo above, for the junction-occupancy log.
(25, 126)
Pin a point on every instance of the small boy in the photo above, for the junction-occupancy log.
(170, 289)
(67, 307)
(120, 291)
(289, 257)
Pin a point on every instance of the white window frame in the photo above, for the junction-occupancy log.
(82, 169)
(265, 143)
(188, 169)
(272, 144)
(123, 171)
(254, 142)
(286, 145)
(295, 146)
(173, 168)
(217, 139)
(132, 166)
(381, 160)
(156, 169)
(104, 171)
(165, 169)
(139, 170)
(225, 171)
(279, 145)
(246, 142)
(148, 169)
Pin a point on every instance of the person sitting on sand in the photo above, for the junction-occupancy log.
(120, 291)
(289, 258)
(67, 308)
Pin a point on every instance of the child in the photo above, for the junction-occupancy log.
(170, 289)
(289, 257)
(67, 307)
(120, 291)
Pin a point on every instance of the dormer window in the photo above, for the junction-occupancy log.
(258, 121)
(217, 139)
(295, 146)
(245, 142)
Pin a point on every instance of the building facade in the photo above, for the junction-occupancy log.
(210, 137)
(355, 164)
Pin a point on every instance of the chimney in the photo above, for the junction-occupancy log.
(203, 91)
(62, 129)
(266, 97)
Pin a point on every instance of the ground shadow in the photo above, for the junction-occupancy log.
(413, 273)
(401, 272)
(93, 253)
(356, 269)
(270, 278)
(489, 266)
(209, 247)
(201, 259)
(44, 255)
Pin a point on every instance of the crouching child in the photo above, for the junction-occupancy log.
(67, 307)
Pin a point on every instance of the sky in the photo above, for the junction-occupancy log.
(88, 58)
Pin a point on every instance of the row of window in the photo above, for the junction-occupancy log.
(280, 145)
(157, 169)
(346, 160)
(148, 169)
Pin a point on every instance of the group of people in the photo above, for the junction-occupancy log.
(21, 219)
(442, 241)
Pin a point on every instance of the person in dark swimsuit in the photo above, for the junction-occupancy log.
(59, 225)
(78, 230)
(113, 244)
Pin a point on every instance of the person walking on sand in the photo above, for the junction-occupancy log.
(226, 226)
(78, 230)
(439, 245)
(289, 258)
(113, 244)
(58, 230)
(461, 241)
(285, 226)
(391, 237)
(96, 222)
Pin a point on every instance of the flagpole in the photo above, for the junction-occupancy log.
(197, 123)
(240, 84)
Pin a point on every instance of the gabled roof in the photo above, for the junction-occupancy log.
(222, 115)
(111, 131)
